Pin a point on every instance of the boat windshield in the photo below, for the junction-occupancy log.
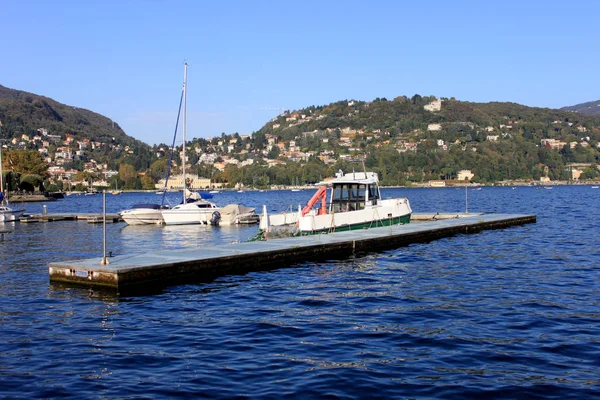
(350, 196)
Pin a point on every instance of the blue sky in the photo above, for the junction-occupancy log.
(247, 59)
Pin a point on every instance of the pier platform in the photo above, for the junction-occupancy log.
(92, 218)
(183, 266)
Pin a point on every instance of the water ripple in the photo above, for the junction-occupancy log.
(510, 313)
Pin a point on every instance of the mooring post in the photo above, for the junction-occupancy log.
(104, 260)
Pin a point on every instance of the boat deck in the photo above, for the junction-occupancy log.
(182, 266)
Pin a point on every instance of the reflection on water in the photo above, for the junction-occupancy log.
(170, 237)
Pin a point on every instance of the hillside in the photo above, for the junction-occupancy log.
(421, 138)
(589, 108)
(406, 140)
(25, 113)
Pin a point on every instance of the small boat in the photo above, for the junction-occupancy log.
(234, 214)
(143, 214)
(56, 195)
(7, 213)
(594, 187)
(548, 187)
(354, 203)
(195, 212)
(295, 190)
(193, 209)
(214, 192)
(116, 192)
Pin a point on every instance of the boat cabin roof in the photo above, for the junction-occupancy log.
(366, 178)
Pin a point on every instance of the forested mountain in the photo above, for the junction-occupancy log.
(421, 138)
(589, 108)
(406, 140)
(26, 113)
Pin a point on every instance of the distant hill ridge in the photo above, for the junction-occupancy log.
(404, 115)
(589, 108)
(23, 112)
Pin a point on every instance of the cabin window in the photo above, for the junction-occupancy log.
(348, 197)
(373, 194)
(361, 190)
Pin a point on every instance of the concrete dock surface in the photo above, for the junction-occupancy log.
(182, 266)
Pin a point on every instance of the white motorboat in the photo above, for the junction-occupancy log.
(143, 214)
(195, 212)
(9, 214)
(354, 203)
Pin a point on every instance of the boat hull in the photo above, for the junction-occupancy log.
(9, 215)
(385, 213)
(405, 219)
(189, 214)
(142, 217)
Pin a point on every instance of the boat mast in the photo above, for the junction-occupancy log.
(184, 127)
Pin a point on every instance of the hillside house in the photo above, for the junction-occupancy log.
(435, 105)
(553, 144)
(465, 175)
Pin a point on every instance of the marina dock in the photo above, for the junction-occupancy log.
(92, 218)
(182, 266)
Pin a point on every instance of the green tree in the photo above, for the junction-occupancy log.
(28, 162)
(31, 182)
(158, 169)
(147, 182)
(128, 175)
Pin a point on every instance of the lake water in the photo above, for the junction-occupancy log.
(512, 313)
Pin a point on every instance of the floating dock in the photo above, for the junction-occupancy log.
(186, 265)
(92, 218)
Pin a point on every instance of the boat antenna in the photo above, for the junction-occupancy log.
(172, 151)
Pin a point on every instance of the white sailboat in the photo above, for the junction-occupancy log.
(7, 213)
(148, 213)
(191, 210)
(116, 191)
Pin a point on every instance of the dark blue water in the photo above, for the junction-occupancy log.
(511, 313)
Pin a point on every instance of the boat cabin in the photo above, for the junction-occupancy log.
(353, 191)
